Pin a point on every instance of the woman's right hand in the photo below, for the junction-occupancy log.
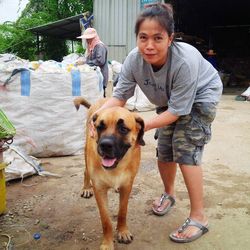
(91, 128)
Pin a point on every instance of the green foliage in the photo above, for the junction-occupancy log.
(79, 48)
(17, 40)
(54, 49)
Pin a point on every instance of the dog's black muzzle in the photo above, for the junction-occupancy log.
(107, 147)
(112, 147)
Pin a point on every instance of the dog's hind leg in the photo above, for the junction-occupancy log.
(124, 235)
(102, 202)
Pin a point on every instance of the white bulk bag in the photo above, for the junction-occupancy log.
(139, 101)
(40, 106)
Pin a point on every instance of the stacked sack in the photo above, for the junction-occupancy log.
(38, 98)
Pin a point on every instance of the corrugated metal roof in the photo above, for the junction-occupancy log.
(68, 28)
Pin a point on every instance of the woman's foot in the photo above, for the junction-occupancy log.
(162, 205)
(191, 230)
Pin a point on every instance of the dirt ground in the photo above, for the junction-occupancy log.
(53, 207)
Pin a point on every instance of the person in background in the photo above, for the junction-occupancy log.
(96, 53)
(211, 57)
(186, 89)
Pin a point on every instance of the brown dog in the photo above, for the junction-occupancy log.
(112, 158)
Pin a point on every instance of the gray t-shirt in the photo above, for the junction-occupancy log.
(187, 77)
(99, 58)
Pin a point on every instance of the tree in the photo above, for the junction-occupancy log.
(16, 39)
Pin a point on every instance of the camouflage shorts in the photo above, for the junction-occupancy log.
(183, 141)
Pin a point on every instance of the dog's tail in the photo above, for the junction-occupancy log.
(81, 101)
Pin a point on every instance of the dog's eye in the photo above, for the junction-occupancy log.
(123, 130)
(101, 126)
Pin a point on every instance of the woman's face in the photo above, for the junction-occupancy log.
(153, 42)
(89, 41)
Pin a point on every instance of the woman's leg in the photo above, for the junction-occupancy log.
(168, 172)
(192, 132)
(193, 178)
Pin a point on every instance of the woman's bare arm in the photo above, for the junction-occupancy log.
(161, 120)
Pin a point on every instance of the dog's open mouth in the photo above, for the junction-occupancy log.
(109, 163)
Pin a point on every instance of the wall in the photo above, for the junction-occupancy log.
(114, 21)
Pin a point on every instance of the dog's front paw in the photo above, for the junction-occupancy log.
(125, 237)
(87, 193)
(105, 246)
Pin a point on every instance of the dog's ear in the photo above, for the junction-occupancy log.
(140, 127)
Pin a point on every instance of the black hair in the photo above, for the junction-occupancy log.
(163, 13)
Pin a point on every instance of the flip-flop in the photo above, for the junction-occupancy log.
(189, 222)
(240, 98)
(164, 197)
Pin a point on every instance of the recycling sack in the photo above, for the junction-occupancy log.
(40, 106)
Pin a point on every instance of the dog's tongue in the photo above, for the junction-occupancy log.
(106, 162)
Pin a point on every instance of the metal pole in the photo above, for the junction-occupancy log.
(37, 44)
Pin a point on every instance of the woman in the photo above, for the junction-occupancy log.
(186, 88)
(96, 53)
